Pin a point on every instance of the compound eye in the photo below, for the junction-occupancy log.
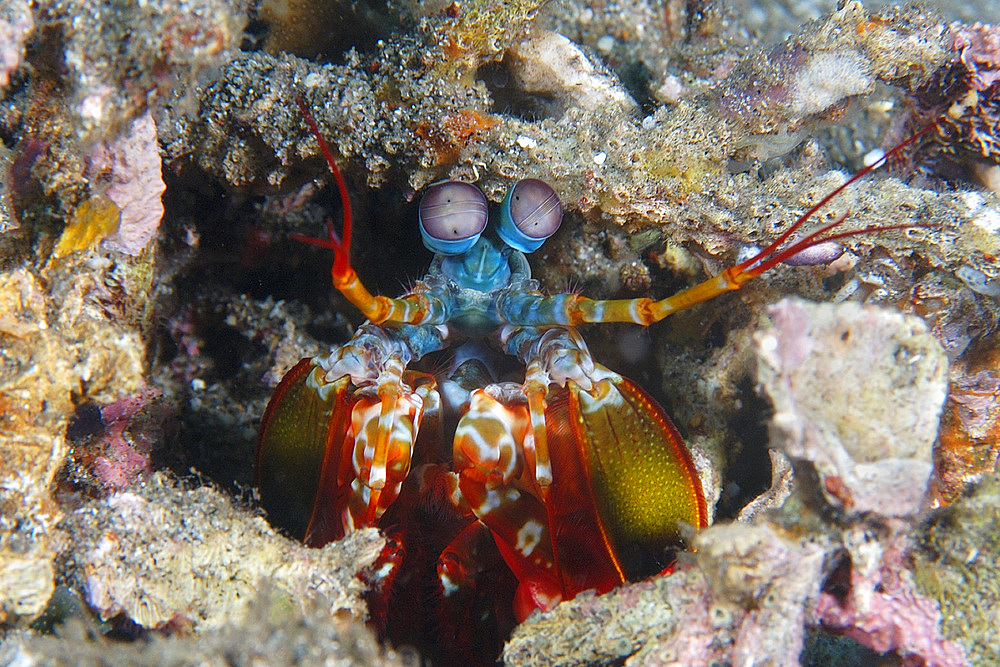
(452, 215)
(530, 214)
(535, 208)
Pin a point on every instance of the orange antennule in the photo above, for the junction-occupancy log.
(735, 276)
(412, 309)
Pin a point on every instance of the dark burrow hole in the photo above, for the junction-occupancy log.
(240, 252)
(86, 422)
(320, 31)
(635, 77)
(510, 99)
(838, 581)
(749, 473)
(227, 347)
(221, 246)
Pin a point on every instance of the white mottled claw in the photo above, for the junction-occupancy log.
(492, 454)
(559, 356)
(490, 437)
(384, 427)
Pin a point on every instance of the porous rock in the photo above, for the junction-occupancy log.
(957, 563)
(279, 634)
(857, 392)
(743, 600)
(53, 348)
(550, 64)
(160, 552)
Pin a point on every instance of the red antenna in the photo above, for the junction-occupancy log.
(771, 255)
(341, 245)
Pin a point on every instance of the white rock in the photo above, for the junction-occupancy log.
(551, 64)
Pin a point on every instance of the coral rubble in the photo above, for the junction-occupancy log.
(161, 551)
(838, 57)
(55, 347)
(271, 630)
(697, 615)
(963, 100)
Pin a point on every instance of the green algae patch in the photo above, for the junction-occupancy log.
(688, 173)
(687, 149)
(957, 563)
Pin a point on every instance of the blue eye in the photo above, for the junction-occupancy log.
(452, 215)
(530, 213)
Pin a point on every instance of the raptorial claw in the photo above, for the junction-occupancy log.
(622, 481)
(292, 467)
(335, 452)
(385, 429)
(475, 613)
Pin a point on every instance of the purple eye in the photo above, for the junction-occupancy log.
(530, 214)
(452, 216)
(535, 208)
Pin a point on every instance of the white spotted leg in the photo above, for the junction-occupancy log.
(384, 427)
(489, 456)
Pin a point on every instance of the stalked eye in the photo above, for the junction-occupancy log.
(452, 216)
(530, 213)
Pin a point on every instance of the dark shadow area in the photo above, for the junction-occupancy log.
(320, 31)
(823, 649)
(233, 282)
(749, 473)
(510, 99)
(635, 77)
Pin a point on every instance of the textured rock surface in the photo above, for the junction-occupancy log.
(162, 552)
(857, 392)
(957, 564)
(272, 630)
(743, 599)
(53, 349)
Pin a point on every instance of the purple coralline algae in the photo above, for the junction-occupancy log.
(882, 608)
(119, 458)
(129, 171)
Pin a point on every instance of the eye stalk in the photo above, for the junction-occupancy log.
(452, 215)
(529, 214)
